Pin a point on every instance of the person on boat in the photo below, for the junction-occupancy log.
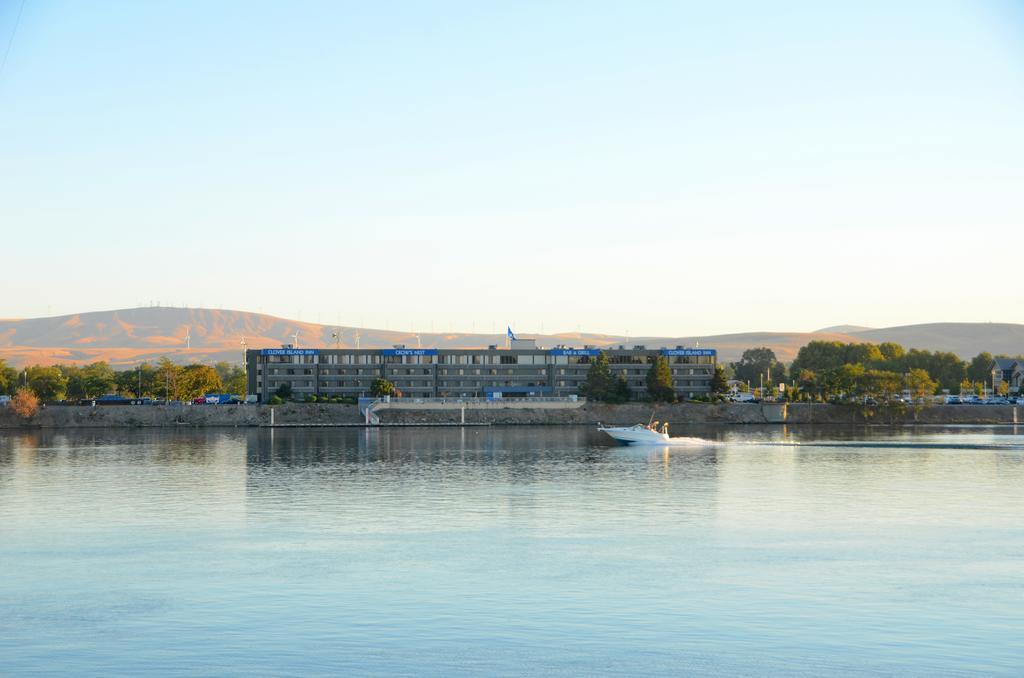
(664, 428)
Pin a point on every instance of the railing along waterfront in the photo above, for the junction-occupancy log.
(480, 401)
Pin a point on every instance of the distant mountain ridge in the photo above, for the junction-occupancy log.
(844, 329)
(129, 336)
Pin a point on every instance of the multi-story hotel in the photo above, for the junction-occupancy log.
(520, 371)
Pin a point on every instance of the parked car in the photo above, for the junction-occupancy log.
(998, 400)
(952, 400)
(4, 400)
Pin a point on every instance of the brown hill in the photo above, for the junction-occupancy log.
(129, 336)
(965, 339)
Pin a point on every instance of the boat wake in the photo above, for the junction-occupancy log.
(862, 445)
(684, 441)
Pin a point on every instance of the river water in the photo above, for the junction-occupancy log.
(512, 551)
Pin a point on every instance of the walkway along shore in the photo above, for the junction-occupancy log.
(323, 415)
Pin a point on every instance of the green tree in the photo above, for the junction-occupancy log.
(8, 378)
(945, 368)
(283, 393)
(719, 382)
(862, 354)
(237, 382)
(621, 392)
(891, 350)
(167, 378)
(659, 381)
(142, 380)
(382, 387)
(98, 379)
(232, 377)
(197, 380)
(75, 380)
(759, 363)
(819, 356)
(881, 383)
(807, 381)
(845, 380)
(600, 383)
(49, 383)
(980, 368)
(920, 383)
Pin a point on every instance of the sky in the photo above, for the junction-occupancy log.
(647, 168)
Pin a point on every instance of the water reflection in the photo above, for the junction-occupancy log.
(488, 550)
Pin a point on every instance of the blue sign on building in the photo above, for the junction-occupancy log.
(574, 351)
(410, 351)
(688, 351)
(289, 351)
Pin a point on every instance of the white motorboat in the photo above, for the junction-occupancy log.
(637, 435)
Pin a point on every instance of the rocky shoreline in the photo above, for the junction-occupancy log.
(323, 415)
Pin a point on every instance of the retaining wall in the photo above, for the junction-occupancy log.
(590, 413)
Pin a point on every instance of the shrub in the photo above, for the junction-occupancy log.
(25, 403)
(275, 400)
(383, 387)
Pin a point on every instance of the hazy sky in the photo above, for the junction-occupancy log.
(671, 168)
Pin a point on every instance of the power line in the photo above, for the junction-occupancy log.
(10, 41)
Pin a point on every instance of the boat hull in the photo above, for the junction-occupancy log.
(636, 435)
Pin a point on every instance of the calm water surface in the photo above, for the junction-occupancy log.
(510, 551)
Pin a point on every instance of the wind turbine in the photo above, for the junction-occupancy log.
(243, 349)
(336, 335)
(295, 338)
(188, 338)
(357, 338)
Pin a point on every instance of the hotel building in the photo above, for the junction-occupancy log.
(520, 371)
